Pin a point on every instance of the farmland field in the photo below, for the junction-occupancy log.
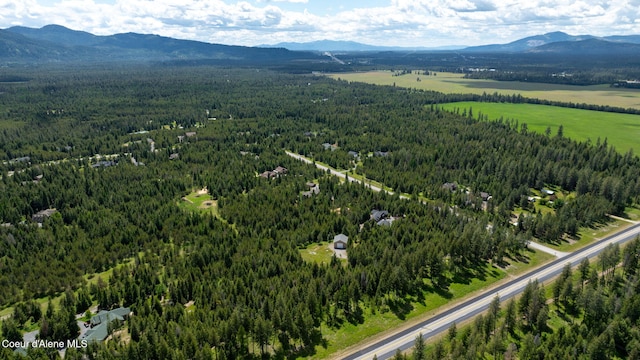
(621, 130)
(455, 83)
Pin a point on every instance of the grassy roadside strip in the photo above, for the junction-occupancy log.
(546, 285)
(590, 235)
(377, 325)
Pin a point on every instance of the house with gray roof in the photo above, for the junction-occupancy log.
(340, 242)
(378, 215)
(451, 186)
(314, 189)
(385, 222)
(104, 164)
(328, 146)
(40, 216)
(100, 323)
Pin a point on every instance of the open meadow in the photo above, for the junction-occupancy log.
(451, 83)
(621, 130)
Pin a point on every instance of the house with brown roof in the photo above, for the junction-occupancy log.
(268, 174)
(280, 170)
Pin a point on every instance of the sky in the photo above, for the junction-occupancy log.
(410, 23)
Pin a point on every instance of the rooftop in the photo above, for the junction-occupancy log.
(341, 237)
(100, 323)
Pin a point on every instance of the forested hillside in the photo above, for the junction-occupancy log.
(115, 150)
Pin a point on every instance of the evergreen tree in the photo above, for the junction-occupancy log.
(419, 348)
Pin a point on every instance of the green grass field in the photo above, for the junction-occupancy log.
(621, 130)
(318, 252)
(453, 83)
(199, 200)
(633, 213)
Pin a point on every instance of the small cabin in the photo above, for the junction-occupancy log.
(340, 242)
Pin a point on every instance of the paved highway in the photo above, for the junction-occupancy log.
(385, 349)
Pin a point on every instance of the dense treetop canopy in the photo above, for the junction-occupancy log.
(115, 150)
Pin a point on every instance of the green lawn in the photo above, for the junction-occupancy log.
(633, 213)
(105, 275)
(200, 201)
(318, 253)
(620, 130)
(450, 83)
(542, 204)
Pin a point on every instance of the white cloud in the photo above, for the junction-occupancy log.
(287, 1)
(400, 22)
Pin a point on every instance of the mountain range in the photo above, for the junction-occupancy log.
(351, 46)
(54, 43)
(559, 42)
(538, 43)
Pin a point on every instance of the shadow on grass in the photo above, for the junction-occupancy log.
(356, 317)
(400, 307)
(301, 351)
(564, 316)
(443, 292)
(466, 275)
(521, 257)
